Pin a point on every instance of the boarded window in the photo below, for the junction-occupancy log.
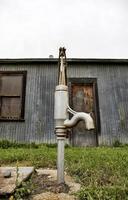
(12, 95)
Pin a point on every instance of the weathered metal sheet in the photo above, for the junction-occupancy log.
(112, 85)
(39, 124)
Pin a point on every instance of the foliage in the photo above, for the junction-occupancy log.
(24, 190)
(117, 143)
(5, 144)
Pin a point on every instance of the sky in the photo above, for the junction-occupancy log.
(86, 28)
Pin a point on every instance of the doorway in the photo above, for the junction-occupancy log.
(84, 98)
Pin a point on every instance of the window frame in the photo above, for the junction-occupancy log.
(23, 94)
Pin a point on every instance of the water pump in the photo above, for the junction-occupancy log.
(61, 114)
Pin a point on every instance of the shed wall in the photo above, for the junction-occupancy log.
(39, 103)
(112, 84)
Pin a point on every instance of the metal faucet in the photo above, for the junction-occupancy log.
(61, 114)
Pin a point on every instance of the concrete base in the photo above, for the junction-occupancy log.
(8, 185)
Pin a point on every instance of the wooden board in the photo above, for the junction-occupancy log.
(11, 85)
(11, 107)
(83, 101)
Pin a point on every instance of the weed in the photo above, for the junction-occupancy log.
(117, 143)
(17, 175)
(24, 190)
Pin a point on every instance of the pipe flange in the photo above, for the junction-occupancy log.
(60, 131)
(61, 138)
(60, 127)
(61, 88)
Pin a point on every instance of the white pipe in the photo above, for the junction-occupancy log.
(60, 160)
(80, 116)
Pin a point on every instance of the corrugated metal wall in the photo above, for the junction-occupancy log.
(39, 101)
(39, 105)
(112, 84)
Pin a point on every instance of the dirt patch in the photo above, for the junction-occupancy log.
(46, 187)
(43, 183)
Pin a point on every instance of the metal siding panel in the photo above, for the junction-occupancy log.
(39, 124)
(112, 91)
(41, 80)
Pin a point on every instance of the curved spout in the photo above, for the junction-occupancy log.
(80, 116)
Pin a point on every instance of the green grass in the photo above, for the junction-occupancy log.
(102, 171)
(98, 166)
(39, 157)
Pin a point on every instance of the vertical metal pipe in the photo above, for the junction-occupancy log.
(60, 160)
(60, 113)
